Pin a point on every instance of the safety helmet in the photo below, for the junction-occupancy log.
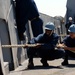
(72, 28)
(70, 18)
(50, 26)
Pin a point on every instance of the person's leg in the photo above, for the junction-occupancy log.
(65, 62)
(37, 26)
(59, 53)
(67, 53)
(36, 21)
(31, 53)
(50, 55)
(22, 10)
(54, 54)
(71, 54)
(43, 55)
(46, 55)
(44, 62)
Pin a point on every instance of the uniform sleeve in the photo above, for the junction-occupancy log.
(36, 39)
(65, 41)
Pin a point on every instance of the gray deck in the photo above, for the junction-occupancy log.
(55, 68)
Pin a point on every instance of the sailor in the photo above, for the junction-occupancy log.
(67, 25)
(27, 10)
(45, 46)
(68, 45)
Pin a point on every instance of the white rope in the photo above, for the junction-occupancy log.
(22, 45)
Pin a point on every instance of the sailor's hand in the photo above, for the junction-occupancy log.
(37, 45)
(26, 45)
(60, 46)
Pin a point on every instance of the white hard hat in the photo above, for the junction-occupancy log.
(70, 18)
(50, 26)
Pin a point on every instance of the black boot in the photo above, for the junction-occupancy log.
(30, 63)
(44, 62)
(64, 63)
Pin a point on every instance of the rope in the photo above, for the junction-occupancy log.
(22, 45)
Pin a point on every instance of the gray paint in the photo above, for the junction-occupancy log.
(8, 32)
(5, 40)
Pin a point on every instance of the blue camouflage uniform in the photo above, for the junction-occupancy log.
(27, 10)
(47, 50)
